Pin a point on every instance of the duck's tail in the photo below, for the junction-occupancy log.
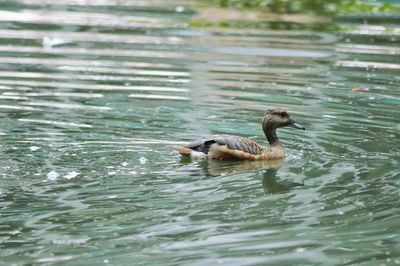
(185, 151)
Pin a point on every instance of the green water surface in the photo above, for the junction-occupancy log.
(94, 95)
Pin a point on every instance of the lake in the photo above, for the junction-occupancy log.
(94, 96)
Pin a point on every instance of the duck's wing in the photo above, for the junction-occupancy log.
(232, 142)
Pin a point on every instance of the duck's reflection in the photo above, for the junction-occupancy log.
(270, 182)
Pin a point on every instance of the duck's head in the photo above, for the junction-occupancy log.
(278, 117)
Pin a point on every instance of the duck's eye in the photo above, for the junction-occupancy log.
(283, 114)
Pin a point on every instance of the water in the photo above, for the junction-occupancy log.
(94, 96)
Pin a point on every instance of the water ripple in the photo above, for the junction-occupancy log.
(95, 95)
(79, 18)
(55, 123)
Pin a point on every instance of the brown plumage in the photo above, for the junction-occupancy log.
(227, 147)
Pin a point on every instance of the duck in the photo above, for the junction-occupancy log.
(231, 147)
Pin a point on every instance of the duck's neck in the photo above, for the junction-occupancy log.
(276, 150)
(272, 138)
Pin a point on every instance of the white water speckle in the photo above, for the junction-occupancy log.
(133, 172)
(112, 173)
(34, 148)
(124, 164)
(179, 9)
(329, 116)
(68, 241)
(71, 175)
(14, 232)
(142, 160)
(49, 42)
(300, 250)
(106, 261)
(52, 175)
(112, 196)
(54, 259)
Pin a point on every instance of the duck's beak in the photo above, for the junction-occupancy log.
(293, 124)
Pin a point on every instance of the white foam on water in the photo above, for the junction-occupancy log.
(71, 175)
(52, 175)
